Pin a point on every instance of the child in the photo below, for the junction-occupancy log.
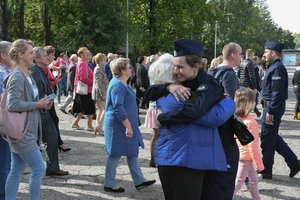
(250, 155)
(160, 72)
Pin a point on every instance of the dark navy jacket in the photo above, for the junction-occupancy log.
(275, 87)
(209, 92)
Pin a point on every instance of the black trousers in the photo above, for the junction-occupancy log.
(181, 183)
(220, 185)
(50, 137)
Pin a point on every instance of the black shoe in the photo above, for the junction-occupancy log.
(63, 110)
(64, 149)
(118, 190)
(152, 164)
(145, 184)
(294, 171)
(266, 176)
(57, 173)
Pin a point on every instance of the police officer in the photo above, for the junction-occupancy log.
(274, 93)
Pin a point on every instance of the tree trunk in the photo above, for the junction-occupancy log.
(46, 23)
(4, 19)
(21, 22)
(152, 26)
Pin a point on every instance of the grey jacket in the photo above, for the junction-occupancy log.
(100, 84)
(20, 99)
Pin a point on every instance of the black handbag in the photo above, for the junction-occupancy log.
(240, 130)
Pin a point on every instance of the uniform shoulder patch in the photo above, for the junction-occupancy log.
(202, 88)
(276, 78)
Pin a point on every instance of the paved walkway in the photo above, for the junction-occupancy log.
(86, 164)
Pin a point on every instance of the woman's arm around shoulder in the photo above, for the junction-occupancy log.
(218, 114)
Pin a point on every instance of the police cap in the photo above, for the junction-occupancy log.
(187, 46)
(273, 45)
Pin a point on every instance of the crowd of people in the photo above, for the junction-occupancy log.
(188, 102)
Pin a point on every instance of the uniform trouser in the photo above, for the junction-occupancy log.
(180, 183)
(271, 141)
(5, 159)
(50, 137)
(220, 185)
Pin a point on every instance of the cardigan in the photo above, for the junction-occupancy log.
(20, 99)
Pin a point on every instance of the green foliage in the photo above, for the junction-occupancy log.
(153, 25)
(297, 40)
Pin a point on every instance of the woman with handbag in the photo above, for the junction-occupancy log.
(83, 103)
(22, 96)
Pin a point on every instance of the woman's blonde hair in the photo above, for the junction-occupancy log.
(18, 46)
(215, 62)
(244, 99)
(100, 58)
(117, 65)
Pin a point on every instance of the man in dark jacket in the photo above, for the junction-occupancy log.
(247, 74)
(142, 80)
(48, 117)
(247, 71)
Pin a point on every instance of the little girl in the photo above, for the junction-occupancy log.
(250, 155)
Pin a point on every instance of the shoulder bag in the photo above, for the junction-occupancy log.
(82, 88)
(12, 124)
(240, 130)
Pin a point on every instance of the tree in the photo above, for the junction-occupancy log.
(297, 40)
(4, 22)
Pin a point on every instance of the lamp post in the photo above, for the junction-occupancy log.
(216, 33)
(127, 44)
(216, 30)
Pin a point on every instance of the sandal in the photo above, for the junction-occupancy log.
(75, 127)
(90, 129)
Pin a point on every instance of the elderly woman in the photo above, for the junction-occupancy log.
(121, 130)
(189, 143)
(100, 84)
(83, 103)
(23, 97)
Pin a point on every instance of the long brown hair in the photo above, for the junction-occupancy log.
(243, 98)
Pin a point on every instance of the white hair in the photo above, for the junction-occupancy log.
(161, 71)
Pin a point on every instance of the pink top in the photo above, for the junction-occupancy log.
(84, 74)
(252, 151)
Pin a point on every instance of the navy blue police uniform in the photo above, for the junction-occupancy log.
(274, 94)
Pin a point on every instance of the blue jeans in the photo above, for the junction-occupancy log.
(111, 166)
(4, 166)
(35, 160)
(58, 91)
